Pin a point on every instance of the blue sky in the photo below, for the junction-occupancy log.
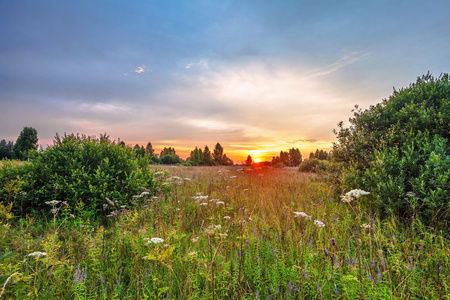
(256, 76)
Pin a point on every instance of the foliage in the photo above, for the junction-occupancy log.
(6, 149)
(260, 240)
(322, 155)
(26, 142)
(199, 157)
(79, 169)
(291, 158)
(392, 148)
(314, 165)
(249, 160)
(170, 159)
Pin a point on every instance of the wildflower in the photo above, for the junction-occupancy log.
(319, 288)
(159, 173)
(53, 202)
(410, 194)
(333, 242)
(319, 224)
(54, 210)
(186, 179)
(233, 177)
(72, 216)
(378, 275)
(37, 254)
(203, 203)
(194, 240)
(336, 291)
(144, 193)
(223, 235)
(302, 214)
(227, 217)
(365, 226)
(220, 202)
(193, 253)
(155, 240)
(325, 251)
(353, 194)
(110, 202)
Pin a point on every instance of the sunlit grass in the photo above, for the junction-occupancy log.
(226, 233)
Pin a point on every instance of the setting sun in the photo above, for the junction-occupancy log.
(257, 160)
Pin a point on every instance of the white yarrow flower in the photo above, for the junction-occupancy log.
(37, 254)
(319, 224)
(353, 194)
(155, 240)
(301, 214)
(53, 202)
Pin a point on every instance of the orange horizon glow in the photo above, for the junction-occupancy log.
(238, 152)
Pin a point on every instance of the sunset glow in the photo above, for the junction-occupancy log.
(259, 77)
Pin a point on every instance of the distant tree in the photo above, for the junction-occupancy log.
(149, 149)
(284, 158)
(319, 154)
(6, 149)
(26, 141)
(249, 160)
(218, 155)
(226, 161)
(170, 159)
(207, 159)
(195, 157)
(168, 151)
(121, 143)
(139, 150)
(295, 157)
(168, 156)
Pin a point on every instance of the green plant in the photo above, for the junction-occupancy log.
(82, 168)
(401, 146)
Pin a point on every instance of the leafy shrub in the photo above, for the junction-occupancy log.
(314, 165)
(413, 179)
(399, 147)
(79, 168)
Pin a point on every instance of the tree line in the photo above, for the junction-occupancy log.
(26, 142)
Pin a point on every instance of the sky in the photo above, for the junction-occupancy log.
(257, 76)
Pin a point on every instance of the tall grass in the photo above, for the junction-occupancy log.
(226, 233)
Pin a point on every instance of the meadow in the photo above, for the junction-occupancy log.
(224, 233)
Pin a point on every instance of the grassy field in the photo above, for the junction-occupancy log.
(224, 233)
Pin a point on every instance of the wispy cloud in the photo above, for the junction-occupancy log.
(347, 59)
(140, 69)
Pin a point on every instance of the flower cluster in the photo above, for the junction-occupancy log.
(211, 229)
(319, 224)
(155, 240)
(37, 254)
(53, 202)
(302, 214)
(353, 194)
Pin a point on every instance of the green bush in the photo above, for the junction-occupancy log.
(400, 147)
(413, 180)
(79, 168)
(314, 165)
